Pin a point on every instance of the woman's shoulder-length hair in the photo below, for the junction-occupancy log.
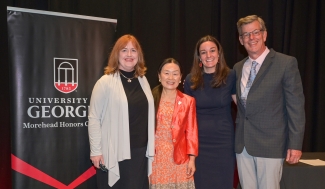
(113, 61)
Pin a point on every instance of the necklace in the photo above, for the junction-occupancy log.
(129, 79)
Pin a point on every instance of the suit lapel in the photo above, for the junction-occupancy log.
(239, 76)
(267, 62)
(178, 104)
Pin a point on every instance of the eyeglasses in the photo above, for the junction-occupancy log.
(248, 34)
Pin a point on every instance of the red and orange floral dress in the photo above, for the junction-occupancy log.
(166, 174)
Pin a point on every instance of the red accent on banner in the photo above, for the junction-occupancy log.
(82, 178)
(30, 171)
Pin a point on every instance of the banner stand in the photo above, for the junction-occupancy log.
(55, 60)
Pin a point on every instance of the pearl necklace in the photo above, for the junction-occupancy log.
(129, 79)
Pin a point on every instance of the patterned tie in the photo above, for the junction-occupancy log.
(251, 78)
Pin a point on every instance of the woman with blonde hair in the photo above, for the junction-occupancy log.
(121, 120)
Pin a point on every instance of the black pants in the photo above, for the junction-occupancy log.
(133, 172)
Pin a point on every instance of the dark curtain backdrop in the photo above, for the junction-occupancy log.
(171, 28)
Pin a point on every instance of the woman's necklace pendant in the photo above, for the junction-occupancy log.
(128, 79)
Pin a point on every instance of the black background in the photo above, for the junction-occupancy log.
(170, 28)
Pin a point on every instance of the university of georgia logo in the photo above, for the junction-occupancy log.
(65, 74)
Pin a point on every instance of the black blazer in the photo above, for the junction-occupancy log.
(274, 118)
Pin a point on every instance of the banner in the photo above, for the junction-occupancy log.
(55, 61)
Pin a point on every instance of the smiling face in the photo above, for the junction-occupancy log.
(128, 57)
(170, 76)
(254, 44)
(209, 56)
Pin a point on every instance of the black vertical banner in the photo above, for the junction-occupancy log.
(55, 61)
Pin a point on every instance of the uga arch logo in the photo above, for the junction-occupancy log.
(65, 74)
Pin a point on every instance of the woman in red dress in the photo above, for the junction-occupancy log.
(176, 137)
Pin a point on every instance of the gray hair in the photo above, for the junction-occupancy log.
(249, 19)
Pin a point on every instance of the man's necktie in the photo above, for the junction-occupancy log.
(251, 78)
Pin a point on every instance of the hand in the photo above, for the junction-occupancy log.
(191, 167)
(96, 159)
(234, 98)
(293, 156)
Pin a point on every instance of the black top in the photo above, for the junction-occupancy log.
(138, 110)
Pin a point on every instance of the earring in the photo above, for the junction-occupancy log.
(159, 80)
(180, 81)
(200, 64)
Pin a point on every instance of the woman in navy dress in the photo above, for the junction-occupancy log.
(212, 84)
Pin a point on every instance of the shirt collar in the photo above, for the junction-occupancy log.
(261, 58)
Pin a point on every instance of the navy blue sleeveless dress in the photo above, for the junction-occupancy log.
(216, 160)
